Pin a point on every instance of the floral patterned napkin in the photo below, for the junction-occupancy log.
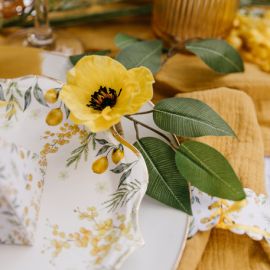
(250, 216)
(21, 185)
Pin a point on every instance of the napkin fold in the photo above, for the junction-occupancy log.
(187, 73)
(21, 188)
(220, 249)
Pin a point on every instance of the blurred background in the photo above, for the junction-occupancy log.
(31, 23)
(77, 26)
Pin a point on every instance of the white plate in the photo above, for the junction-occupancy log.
(97, 226)
(164, 229)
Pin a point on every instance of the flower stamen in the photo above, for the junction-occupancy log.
(102, 98)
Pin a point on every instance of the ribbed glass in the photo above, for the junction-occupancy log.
(177, 21)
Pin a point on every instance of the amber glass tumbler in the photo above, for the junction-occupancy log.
(177, 21)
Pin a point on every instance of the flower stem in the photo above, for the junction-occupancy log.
(137, 130)
(171, 52)
(177, 141)
(137, 122)
(140, 113)
(119, 129)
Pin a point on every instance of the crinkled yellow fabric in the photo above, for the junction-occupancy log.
(186, 73)
(220, 249)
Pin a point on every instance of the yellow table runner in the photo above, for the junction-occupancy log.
(16, 62)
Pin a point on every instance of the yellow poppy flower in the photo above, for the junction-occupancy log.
(100, 90)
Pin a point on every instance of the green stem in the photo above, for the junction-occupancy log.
(178, 142)
(109, 150)
(140, 113)
(152, 129)
(137, 131)
(171, 52)
(119, 129)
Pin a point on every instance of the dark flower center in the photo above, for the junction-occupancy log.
(102, 98)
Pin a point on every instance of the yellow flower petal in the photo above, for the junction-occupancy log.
(94, 71)
(76, 100)
(125, 99)
(109, 114)
(101, 124)
(75, 120)
(99, 91)
(145, 81)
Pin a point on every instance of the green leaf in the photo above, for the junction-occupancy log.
(123, 40)
(208, 170)
(67, 111)
(27, 98)
(77, 153)
(217, 54)
(75, 58)
(2, 96)
(165, 183)
(38, 94)
(244, 3)
(142, 53)
(18, 92)
(123, 195)
(124, 176)
(121, 147)
(102, 141)
(121, 167)
(189, 117)
(103, 150)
